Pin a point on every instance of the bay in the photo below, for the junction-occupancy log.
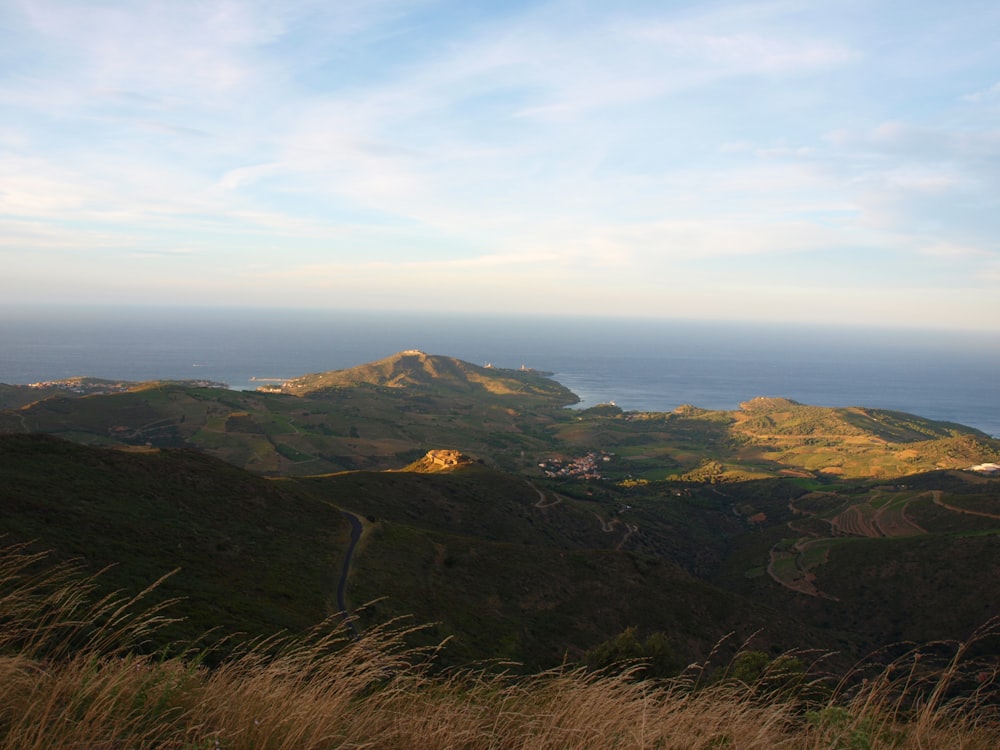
(652, 365)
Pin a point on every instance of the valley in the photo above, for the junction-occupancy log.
(506, 523)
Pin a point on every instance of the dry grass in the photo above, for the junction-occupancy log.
(70, 678)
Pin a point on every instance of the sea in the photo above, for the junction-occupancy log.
(638, 364)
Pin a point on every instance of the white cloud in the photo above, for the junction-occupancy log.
(33, 187)
(31, 240)
(234, 179)
(597, 146)
(160, 254)
(954, 250)
(741, 52)
(477, 263)
(167, 128)
(149, 46)
(986, 95)
(717, 237)
(285, 225)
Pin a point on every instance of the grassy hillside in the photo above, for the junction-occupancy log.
(549, 529)
(530, 533)
(433, 374)
(872, 562)
(16, 396)
(535, 571)
(340, 429)
(386, 414)
(70, 679)
(249, 557)
(508, 569)
(504, 568)
(775, 437)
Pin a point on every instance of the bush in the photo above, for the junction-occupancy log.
(652, 657)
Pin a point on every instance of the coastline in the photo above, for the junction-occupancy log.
(640, 365)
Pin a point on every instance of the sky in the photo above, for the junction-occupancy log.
(810, 161)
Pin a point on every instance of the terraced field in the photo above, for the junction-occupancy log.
(857, 520)
(792, 566)
(828, 520)
(891, 519)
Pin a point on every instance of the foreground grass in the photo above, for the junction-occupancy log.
(73, 675)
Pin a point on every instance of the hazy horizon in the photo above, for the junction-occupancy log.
(872, 330)
(822, 162)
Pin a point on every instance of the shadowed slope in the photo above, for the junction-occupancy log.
(251, 557)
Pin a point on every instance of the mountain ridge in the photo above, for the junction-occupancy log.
(416, 370)
(389, 413)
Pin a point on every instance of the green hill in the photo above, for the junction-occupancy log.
(500, 415)
(386, 414)
(427, 373)
(502, 568)
(250, 557)
(534, 571)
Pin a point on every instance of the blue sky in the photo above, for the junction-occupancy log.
(833, 162)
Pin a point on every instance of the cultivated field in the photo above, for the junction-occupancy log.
(827, 520)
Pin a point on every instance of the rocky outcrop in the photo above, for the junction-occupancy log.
(439, 460)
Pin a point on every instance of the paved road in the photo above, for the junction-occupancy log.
(355, 523)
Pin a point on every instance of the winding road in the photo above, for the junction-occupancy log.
(356, 528)
(936, 495)
(542, 499)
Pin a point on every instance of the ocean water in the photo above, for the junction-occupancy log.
(638, 364)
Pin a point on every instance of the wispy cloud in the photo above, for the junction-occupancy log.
(585, 147)
(135, 47)
(31, 238)
(990, 94)
(742, 53)
(957, 251)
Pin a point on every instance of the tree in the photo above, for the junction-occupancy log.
(652, 657)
